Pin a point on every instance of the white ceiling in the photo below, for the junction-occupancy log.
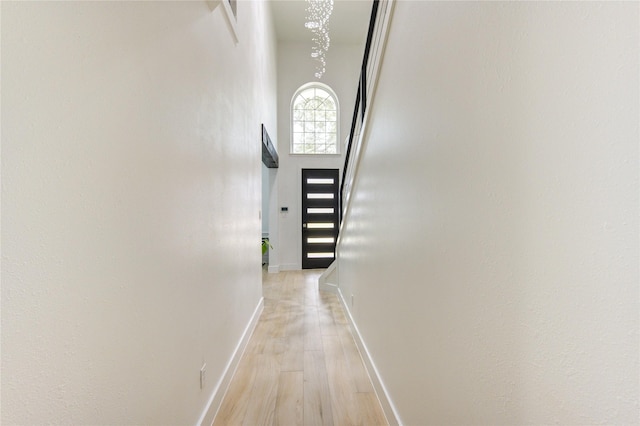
(349, 21)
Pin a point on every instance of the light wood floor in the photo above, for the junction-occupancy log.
(301, 366)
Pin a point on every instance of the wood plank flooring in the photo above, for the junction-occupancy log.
(301, 366)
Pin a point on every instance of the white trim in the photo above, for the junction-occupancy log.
(390, 411)
(274, 269)
(316, 155)
(231, 19)
(328, 287)
(209, 414)
(329, 279)
(290, 267)
(375, 63)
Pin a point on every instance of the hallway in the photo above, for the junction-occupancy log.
(301, 365)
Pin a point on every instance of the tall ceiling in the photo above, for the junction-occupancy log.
(349, 21)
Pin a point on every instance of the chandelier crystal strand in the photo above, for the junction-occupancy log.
(318, 14)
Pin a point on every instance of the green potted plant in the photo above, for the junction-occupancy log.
(265, 245)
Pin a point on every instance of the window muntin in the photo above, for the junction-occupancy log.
(314, 121)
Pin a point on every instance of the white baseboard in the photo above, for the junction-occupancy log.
(274, 269)
(290, 267)
(383, 396)
(221, 387)
(328, 281)
(331, 288)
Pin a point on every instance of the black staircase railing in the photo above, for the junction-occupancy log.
(361, 100)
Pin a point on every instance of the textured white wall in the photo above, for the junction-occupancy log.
(492, 243)
(131, 197)
(295, 68)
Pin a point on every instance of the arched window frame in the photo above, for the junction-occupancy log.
(331, 93)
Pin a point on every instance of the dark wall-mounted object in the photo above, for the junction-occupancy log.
(269, 153)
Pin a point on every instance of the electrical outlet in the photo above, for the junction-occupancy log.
(203, 371)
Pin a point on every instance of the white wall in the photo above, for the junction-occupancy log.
(295, 68)
(266, 191)
(131, 197)
(492, 243)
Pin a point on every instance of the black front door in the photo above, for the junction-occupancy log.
(319, 217)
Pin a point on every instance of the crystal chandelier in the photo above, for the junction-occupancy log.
(318, 14)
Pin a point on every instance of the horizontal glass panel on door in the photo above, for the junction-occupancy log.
(320, 240)
(311, 225)
(323, 196)
(323, 255)
(318, 210)
(320, 181)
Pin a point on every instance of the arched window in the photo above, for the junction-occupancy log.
(314, 120)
